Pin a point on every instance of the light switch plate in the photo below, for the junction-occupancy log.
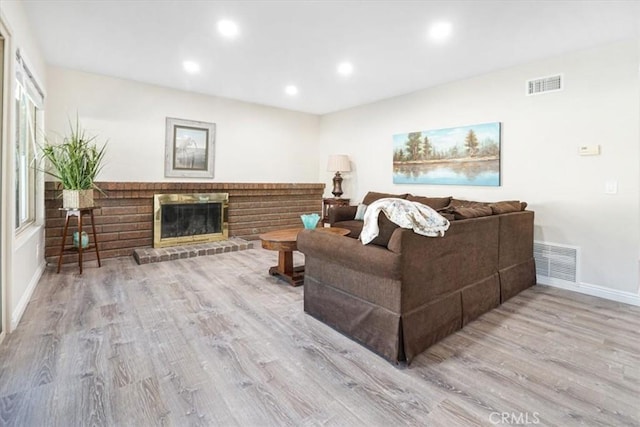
(611, 187)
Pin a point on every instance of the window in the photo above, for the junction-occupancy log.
(28, 102)
(25, 154)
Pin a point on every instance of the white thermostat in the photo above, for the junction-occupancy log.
(589, 150)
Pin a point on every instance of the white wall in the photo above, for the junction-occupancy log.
(253, 143)
(540, 163)
(22, 258)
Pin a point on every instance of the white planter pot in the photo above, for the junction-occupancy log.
(77, 199)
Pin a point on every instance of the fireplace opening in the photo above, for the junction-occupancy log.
(190, 218)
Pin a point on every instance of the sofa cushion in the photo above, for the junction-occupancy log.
(341, 213)
(507, 206)
(354, 227)
(372, 196)
(447, 215)
(459, 203)
(471, 212)
(433, 202)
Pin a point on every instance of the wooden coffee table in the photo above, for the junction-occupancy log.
(285, 242)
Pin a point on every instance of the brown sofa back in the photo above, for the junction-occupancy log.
(433, 267)
(515, 262)
(398, 301)
(449, 207)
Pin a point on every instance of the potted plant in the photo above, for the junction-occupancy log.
(75, 162)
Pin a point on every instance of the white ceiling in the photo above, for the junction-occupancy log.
(301, 43)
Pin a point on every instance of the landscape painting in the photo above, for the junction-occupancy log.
(465, 155)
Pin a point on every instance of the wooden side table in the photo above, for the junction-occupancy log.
(330, 203)
(285, 242)
(78, 213)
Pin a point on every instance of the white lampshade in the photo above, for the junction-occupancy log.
(339, 163)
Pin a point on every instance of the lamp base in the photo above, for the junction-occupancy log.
(337, 185)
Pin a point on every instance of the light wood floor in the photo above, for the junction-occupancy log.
(216, 341)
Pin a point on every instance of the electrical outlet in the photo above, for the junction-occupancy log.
(611, 187)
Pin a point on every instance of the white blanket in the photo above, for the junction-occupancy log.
(421, 218)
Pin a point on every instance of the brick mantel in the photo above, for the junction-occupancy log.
(125, 219)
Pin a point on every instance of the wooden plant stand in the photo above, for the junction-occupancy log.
(78, 213)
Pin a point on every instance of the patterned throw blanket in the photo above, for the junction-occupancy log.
(421, 218)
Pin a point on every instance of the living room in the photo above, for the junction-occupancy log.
(588, 203)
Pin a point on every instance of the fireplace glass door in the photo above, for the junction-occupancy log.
(189, 218)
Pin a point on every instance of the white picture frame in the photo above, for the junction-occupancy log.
(189, 148)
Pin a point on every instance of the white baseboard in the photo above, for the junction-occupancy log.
(24, 301)
(593, 290)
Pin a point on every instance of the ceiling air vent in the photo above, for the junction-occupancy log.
(544, 85)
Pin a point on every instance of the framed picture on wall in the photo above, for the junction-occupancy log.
(189, 148)
(464, 155)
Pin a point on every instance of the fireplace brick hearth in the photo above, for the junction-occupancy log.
(124, 220)
(152, 255)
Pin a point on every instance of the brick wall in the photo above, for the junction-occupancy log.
(124, 220)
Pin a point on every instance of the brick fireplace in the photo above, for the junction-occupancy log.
(124, 221)
(180, 219)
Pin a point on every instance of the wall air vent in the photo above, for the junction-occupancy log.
(544, 85)
(555, 261)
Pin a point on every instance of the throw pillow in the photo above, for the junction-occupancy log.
(362, 208)
(433, 202)
(372, 196)
(387, 227)
(458, 203)
(506, 207)
(475, 212)
(448, 215)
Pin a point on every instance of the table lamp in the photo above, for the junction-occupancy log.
(338, 163)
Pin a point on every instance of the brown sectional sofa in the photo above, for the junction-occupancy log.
(406, 291)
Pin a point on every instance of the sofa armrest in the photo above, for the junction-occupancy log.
(350, 253)
(342, 213)
(516, 238)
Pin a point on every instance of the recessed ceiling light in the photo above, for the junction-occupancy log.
(291, 90)
(228, 28)
(440, 30)
(191, 67)
(345, 68)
